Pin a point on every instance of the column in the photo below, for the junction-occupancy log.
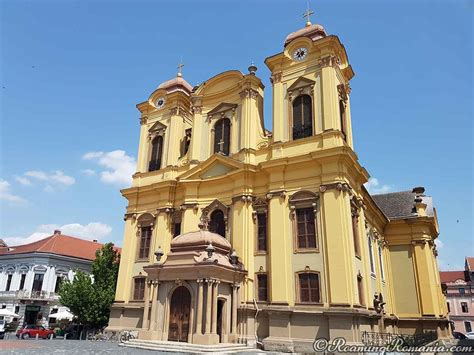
(154, 303)
(146, 310)
(233, 329)
(200, 302)
(214, 306)
(208, 306)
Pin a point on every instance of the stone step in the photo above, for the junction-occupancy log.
(171, 346)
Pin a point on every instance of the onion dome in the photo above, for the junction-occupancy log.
(313, 32)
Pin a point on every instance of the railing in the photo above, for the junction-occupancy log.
(383, 339)
(30, 294)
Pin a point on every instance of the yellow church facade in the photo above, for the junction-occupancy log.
(235, 234)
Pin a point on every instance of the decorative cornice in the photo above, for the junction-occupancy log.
(340, 186)
(276, 78)
(196, 110)
(329, 61)
(186, 206)
(249, 93)
(167, 210)
(244, 198)
(143, 120)
(276, 193)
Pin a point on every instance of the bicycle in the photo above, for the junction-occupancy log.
(126, 335)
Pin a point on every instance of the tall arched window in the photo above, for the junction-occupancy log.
(302, 117)
(222, 136)
(156, 153)
(217, 223)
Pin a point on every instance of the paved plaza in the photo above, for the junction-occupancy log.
(59, 346)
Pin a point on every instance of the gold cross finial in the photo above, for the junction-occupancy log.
(180, 68)
(307, 15)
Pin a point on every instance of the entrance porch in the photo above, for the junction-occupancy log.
(193, 296)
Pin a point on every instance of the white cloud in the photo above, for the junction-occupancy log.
(120, 166)
(55, 177)
(88, 172)
(439, 243)
(91, 231)
(374, 187)
(6, 195)
(23, 180)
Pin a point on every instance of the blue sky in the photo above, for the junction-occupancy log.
(73, 71)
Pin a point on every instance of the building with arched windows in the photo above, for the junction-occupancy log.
(235, 234)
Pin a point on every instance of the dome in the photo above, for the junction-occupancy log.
(176, 84)
(313, 32)
(200, 240)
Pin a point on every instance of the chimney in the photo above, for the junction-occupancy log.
(94, 240)
(57, 232)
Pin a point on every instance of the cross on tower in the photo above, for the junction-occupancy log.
(180, 68)
(307, 15)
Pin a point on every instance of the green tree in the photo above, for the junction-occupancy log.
(89, 297)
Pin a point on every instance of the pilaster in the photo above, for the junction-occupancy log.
(198, 126)
(339, 247)
(129, 250)
(243, 239)
(280, 250)
(329, 95)
(175, 134)
(278, 110)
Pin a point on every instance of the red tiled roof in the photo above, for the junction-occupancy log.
(470, 262)
(58, 244)
(451, 276)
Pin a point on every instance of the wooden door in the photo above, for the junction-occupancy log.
(179, 315)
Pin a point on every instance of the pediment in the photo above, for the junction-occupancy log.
(300, 83)
(222, 108)
(157, 127)
(216, 165)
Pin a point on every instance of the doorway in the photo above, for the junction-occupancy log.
(179, 315)
(31, 314)
(220, 312)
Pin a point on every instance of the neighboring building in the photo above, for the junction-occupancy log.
(30, 274)
(459, 290)
(270, 236)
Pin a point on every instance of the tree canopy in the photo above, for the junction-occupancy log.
(89, 297)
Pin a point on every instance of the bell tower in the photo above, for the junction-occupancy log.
(311, 89)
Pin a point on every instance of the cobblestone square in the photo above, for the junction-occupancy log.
(59, 346)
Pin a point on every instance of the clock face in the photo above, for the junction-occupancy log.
(300, 53)
(160, 102)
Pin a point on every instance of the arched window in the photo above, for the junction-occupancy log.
(156, 153)
(217, 223)
(302, 117)
(222, 136)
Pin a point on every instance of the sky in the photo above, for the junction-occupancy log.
(71, 73)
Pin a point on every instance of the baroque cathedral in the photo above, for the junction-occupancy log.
(238, 234)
